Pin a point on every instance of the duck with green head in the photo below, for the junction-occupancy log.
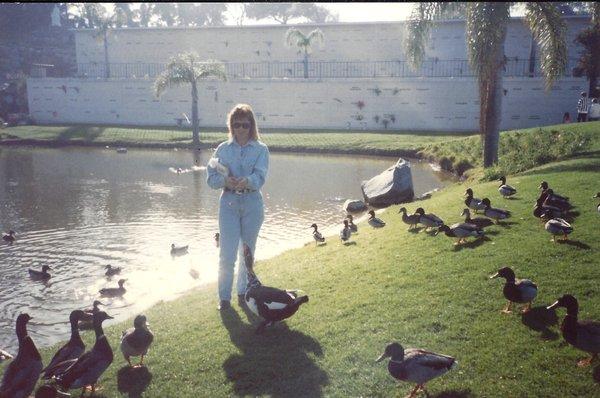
(516, 290)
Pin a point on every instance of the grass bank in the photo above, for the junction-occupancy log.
(393, 143)
(519, 150)
(391, 285)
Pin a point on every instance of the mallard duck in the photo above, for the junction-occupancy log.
(269, 303)
(353, 227)
(545, 212)
(505, 190)
(494, 213)
(429, 220)
(87, 318)
(317, 235)
(346, 232)
(558, 226)
(217, 237)
(473, 203)
(460, 231)
(516, 290)
(411, 220)
(416, 365)
(5, 355)
(114, 291)
(136, 340)
(40, 275)
(87, 369)
(111, 271)
(72, 350)
(8, 236)
(178, 249)
(544, 186)
(23, 372)
(595, 197)
(479, 222)
(584, 335)
(548, 198)
(374, 221)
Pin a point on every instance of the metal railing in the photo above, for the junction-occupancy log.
(320, 69)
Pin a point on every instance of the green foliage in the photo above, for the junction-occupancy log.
(285, 12)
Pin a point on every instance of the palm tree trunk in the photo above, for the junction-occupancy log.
(106, 64)
(195, 121)
(305, 64)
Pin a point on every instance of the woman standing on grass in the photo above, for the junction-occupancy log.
(239, 166)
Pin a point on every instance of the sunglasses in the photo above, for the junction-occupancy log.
(237, 125)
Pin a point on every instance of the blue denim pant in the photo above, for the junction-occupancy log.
(240, 219)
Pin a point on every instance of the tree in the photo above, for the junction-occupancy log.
(294, 37)
(284, 12)
(486, 25)
(144, 14)
(186, 68)
(192, 14)
(166, 13)
(589, 62)
(125, 15)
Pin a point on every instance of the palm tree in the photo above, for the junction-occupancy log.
(486, 24)
(294, 37)
(186, 68)
(589, 62)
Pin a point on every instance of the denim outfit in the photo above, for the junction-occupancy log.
(240, 214)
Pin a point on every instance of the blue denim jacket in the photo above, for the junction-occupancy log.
(251, 161)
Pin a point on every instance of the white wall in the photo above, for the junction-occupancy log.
(448, 104)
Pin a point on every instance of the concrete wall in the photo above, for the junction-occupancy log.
(448, 104)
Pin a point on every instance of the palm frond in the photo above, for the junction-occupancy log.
(186, 68)
(293, 37)
(549, 32)
(316, 37)
(595, 11)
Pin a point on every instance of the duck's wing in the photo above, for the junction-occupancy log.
(272, 298)
(20, 377)
(66, 352)
(434, 218)
(317, 235)
(88, 365)
(588, 335)
(422, 365)
(136, 342)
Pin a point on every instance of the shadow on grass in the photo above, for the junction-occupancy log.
(575, 243)
(454, 394)
(84, 133)
(471, 244)
(133, 381)
(506, 224)
(540, 319)
(577, 167)
(352, 243)
(274, 363)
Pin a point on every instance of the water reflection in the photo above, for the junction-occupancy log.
(78, 210)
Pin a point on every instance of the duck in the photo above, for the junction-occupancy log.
(178, 249)
(411, 220)
(374, 221)
(583, 335)
(461, 231)
(40, 275)
(21, 375)
(50, 391)
(516, 290)
(596, 197)
(473, 203)
(429, 220)
(505, 190)
(550, 199)
(494, 213)
(114, 291)
(544, 211)
(479, 222)
(71, 350)
(87, 369)
(544, 186)
(558, 226)
(111, 271)
(346, 232)
(135, 341)
(269, 303)
(416, 365)
(4, 355)
(8, 236)
(86, 320)
(217, 238)
(353, 227)
(317, 235)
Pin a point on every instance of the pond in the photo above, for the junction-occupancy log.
(79, 209)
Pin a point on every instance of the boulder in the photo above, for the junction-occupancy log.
(354, 206)
(392, 186)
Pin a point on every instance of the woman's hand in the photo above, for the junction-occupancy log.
(242, 183)
(231, 182)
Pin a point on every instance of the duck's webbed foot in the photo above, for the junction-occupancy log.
(586, 361)
(506, 309)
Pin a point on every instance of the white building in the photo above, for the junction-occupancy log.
(358, 79)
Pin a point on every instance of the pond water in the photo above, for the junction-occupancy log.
(79, 209)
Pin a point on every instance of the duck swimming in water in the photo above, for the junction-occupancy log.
(8, 236)
(374, 221)
(86, 320)
(72, 350)
(136, 340)
(415, 365)
(504, 189)
(317, 235)
(516, 290)
(21, 375)
(111, 271)
(177, 250)
(114, 291)
(40, 275)
(269, 303)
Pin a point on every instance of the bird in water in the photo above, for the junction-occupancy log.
(111, 271)
(86, 320)
(317, 235)
(178, 250)
(40, 275)
(8, 236)
(114, 291)
(135, 341)
(217, 238)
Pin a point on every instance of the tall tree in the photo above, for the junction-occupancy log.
(203, 14)
(294, 37)
(144, 14)
(486, 25)
(167, 13)
(125, 15)
(186, 68)
(285, 12)
(589, 62)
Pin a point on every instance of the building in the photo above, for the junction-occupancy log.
(358, 79)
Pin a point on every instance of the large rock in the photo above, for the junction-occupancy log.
(392, 186)
(354, 206)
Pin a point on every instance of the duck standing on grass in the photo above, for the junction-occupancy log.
(429, 220)
(544, 211)
(544, 187)
(504, 189)
(114, 291)
(136, 340)
(473, 203)
(269, 303)
(596, 197)
(550, 199)
(558, 226)
(583, 335)
(317, 235)
(374, 221)
(21, 375)
(8, 236)
(416, 365)
(477, 221)
(516, 290)
(353, 227)
(411, 220)
(346, 232)
(72, 350)
(461, 231)
(494, 213)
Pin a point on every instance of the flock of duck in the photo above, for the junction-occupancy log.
(72, 368)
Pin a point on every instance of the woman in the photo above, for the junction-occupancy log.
(241, 209)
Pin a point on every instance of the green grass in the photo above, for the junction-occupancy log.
(368, 142)
(393, 285)
(519, 150)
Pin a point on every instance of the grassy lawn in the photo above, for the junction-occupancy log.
(393, 285)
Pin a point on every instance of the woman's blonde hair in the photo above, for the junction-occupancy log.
(242, 111)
